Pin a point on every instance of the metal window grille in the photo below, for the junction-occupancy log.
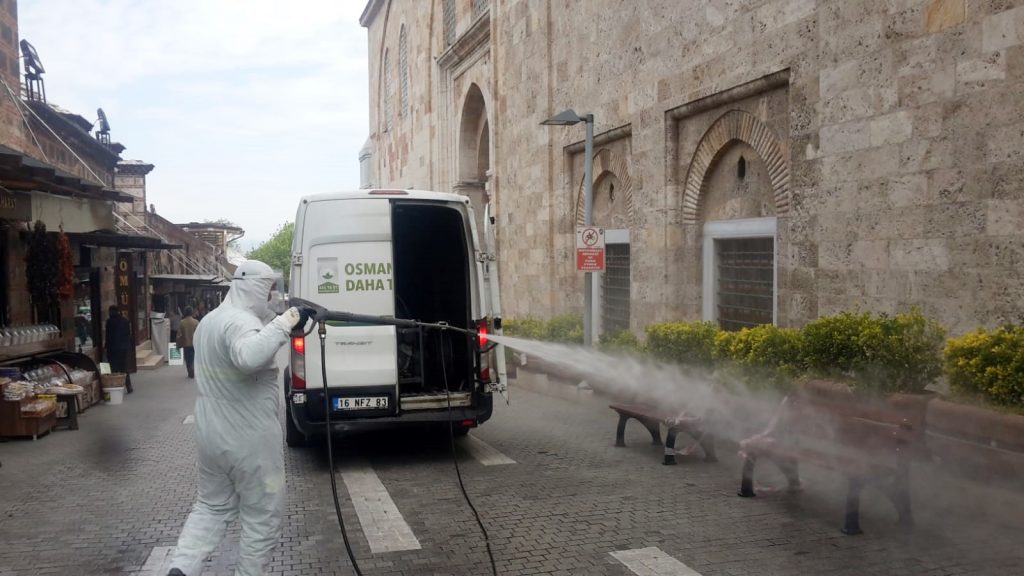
(448, 14)
(615, 306)
(387, 92)
(403, 73)
(746, 282)
(480, 6)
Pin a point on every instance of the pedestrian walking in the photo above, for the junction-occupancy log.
(238, 434)
(119, 345)
(175, 319)
(186, 332)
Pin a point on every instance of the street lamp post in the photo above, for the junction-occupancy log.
(570, 118)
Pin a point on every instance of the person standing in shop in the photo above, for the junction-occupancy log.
(175, 318)
(119, 345)
(186, 331)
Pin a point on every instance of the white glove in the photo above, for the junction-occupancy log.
(288, 320)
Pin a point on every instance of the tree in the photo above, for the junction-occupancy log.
(276, 252)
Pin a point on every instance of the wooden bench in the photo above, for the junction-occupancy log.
(653, 417)
(824, 424)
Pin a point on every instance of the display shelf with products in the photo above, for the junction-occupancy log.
(22, 413)
(41, 391)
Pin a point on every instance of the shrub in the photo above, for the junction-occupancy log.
(621, 341)
(988, 364)
(566, 328)
(763, 356)
(884, 353)
(911, 352)
(526, 328)
(690, 343)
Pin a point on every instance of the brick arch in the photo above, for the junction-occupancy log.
(607, 161)
(731, 126)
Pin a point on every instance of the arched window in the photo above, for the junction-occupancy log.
(480, 6)
(403, 73)
(387, 91)
(448, 15)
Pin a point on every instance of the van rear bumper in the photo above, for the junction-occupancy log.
(309, 417)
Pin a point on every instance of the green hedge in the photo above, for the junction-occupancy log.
(901, 353)
(989, 364)
(622, 341)
(691, 343)
(566, 328)
(763, 356)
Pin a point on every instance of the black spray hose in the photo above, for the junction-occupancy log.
(321, 315)
(455, 460)
(322, 331)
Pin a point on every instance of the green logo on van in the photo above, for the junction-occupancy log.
(326, 286)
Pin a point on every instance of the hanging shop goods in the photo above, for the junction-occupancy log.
(66, 285)
(42, 268)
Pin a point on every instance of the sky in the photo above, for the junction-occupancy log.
(243, 106)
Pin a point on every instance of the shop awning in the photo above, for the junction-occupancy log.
(116, 240)
(21, 172)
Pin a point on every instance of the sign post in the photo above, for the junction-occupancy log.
(589, 249)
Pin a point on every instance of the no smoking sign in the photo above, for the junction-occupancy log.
(589, 249)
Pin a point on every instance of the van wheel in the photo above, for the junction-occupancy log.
(293, 437)
(460, 431)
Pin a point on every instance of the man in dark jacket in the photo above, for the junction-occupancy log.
(119, 344)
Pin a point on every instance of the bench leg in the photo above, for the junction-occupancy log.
(655, 429)
(901, 495)
(620, 432)
(851, 523)
(707, 443)
(747, 483)
(791, 470)
(670, 447)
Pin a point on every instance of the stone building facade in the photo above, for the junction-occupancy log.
(754, 159)
(130, 178)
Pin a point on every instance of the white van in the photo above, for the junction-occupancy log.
(401, 254)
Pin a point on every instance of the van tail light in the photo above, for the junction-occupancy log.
(485, 358)
(481, 330)
(298, 367)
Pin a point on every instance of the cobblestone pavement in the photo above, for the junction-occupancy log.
(103, 499)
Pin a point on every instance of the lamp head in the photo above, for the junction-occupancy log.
(563, 118)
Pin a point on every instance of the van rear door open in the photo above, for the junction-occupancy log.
(349, 267)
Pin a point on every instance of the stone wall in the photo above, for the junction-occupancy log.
(172, 262)
(11, 131)
(899, 125)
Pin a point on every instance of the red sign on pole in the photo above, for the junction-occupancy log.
(589, 249)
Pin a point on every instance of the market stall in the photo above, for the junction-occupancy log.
(43, 386)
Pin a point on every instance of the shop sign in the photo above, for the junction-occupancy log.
(14, 206)
(123, 282)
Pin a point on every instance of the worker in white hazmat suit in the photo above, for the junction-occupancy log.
(238, 434)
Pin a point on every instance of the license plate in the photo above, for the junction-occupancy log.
(361, 403)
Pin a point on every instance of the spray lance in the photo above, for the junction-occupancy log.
(321, 316)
